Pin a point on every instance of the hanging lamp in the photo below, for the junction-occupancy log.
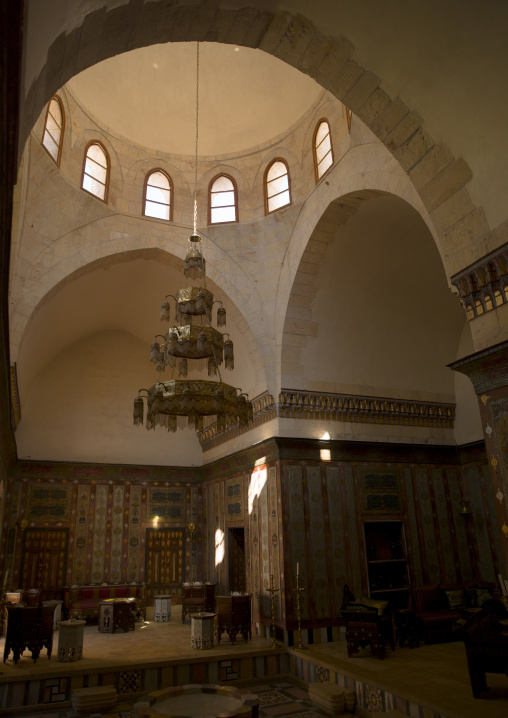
(192, 337)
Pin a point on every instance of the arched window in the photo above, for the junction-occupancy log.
(53, 129)
(96, 171)
(223, 200)
(158, 195)
(277, 186)
(323, 153)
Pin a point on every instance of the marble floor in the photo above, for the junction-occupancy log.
(433, 676)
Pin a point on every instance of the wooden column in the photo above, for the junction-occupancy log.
(488, 372)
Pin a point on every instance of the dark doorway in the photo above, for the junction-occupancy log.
(236, 559)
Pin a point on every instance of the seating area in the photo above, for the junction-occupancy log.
(83, 602)
(197, 597)
(234, 616)
(439, 608)
(485, 638)
(369, 623)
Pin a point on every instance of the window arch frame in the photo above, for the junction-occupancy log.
(314, 148)
(108, 171)
(171, 194)
(235, 190)
(62, 129)
(265, 185)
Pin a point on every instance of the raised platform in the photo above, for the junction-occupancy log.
(428, 682)
(154, 656)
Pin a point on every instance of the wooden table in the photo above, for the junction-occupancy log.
(117, 613)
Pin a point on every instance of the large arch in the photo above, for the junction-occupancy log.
(79, 371)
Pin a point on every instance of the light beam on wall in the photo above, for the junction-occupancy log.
(256, 484)
(219, 547)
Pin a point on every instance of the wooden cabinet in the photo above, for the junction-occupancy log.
(387, 567)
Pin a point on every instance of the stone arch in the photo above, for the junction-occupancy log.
(437, 175)
(235, 316)
(340, 286)
(298, 324)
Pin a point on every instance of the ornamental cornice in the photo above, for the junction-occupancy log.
(483, 286)
(323, 406)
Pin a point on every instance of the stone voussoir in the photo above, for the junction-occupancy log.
(446, 183)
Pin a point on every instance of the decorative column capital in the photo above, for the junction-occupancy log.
(483, 286)
(487, 369)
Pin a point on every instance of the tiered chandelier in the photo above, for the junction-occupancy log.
(192, 337)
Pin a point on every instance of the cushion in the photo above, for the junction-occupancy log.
(427, 598)
(120, 591)
(482, 595)
(104, 593)
(445, 616)
(456, 598)
(86, 594)
(373, 603)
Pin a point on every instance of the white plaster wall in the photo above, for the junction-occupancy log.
(387, 322)
(80, 408)
(468, 425)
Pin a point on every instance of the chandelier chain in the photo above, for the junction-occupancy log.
(196, 148)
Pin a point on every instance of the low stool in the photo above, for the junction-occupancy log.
(329, 696)
(94, 699)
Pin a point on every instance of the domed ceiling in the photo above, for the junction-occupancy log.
(148, 96)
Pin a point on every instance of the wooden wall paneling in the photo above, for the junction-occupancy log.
(98, 573)
(442, 522)
(210, 531)
(452, 509)
(288, 559)
(134, 497)
(286, 579)
(337, 552)
(327, 546)
(298, 533)
(356, 565)
(264, 545)
(456, 493)
(9, 531)
(490, 517)
(274, 539)
(477, 528)
(412, 536)
(79, 535)
(117, 536)
(425, 514)
(318, 564)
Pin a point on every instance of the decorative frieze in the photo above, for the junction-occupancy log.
(294, 404)
(483, 286)
(264, 409)
(364, 409)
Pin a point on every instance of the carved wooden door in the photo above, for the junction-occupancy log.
(44, 561)
(164, 561)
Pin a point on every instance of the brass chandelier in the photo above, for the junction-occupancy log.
(192, 337)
